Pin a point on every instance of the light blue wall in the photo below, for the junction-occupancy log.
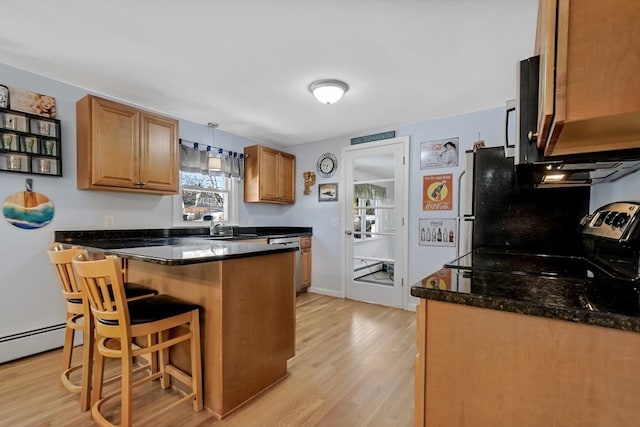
(326, 218)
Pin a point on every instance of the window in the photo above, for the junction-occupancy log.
(203, 198)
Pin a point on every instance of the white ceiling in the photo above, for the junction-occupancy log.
(247, 64)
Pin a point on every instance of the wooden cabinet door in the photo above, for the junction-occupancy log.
(269, 185)
(545, 47)
(114, 144)
(286, 178)
(305, 262)
(159, 153)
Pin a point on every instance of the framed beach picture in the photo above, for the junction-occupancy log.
(328, 192)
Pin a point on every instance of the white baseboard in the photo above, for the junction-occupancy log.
(324, 291)
(412, 307)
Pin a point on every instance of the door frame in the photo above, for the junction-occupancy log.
(401, 261)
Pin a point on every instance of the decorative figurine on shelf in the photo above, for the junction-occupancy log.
(4, 96)
(309, 180)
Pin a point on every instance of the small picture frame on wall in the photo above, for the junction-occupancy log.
(328, 192)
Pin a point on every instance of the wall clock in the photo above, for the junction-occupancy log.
(327, 165)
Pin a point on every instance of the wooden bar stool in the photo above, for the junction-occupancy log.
(121, 322)
(79, 318)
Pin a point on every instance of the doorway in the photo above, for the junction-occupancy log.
(375, 217)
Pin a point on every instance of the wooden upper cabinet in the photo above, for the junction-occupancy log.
(122, 148)
(269, 175)
(593, 82)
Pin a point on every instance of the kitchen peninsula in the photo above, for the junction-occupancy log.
(246, 291)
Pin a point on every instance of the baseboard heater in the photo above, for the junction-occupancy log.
(366, 269)
(32, 332)
(27, 343)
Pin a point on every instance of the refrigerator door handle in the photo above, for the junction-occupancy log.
(509, 149)
(459, 217)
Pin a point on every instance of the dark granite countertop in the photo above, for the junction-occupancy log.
(609, 303)
(180, 246)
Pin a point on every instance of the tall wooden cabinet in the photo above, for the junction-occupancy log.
(122, 148)
(589, 97)
(269, 176)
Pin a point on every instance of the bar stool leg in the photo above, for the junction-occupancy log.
(165, 379)
(98, 375)
(196, 363)
(67, 349)
(126, 415)
(87, 362)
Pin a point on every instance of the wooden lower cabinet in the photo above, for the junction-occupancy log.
(480, 367)
(305, 262)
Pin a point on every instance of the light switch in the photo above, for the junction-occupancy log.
(108, 221)
(335, 222)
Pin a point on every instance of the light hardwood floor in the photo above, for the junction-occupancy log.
(354, 366)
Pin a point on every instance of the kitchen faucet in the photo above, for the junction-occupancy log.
(213, 228)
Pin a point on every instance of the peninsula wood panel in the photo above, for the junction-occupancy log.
(487, 368)
(247, 321)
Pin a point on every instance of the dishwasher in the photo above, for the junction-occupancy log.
(292, 242)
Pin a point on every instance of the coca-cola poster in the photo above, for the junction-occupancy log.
(437, 232)
(437, 192)
(441, 153)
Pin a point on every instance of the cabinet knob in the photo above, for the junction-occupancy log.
(532, 136)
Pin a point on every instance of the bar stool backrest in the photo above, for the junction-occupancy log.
(61, 260)
(103, 287)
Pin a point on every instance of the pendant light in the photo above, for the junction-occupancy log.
(215, 163)
(328, 91)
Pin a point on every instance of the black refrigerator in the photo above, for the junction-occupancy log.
(502, 212)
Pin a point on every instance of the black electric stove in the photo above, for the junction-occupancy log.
(603, 277)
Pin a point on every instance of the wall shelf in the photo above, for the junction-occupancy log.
(29, 143)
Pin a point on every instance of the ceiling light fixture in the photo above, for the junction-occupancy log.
(328, 91)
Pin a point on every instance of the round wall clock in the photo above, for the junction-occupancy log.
(327, 165)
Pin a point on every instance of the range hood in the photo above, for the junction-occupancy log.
(534, 168)
(574, 172)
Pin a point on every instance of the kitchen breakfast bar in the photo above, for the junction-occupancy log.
(247, 294)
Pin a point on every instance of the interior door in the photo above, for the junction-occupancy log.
(375, 216)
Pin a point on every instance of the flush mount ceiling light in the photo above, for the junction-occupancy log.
(328, 91)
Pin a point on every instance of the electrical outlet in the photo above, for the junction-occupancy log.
(108, 221)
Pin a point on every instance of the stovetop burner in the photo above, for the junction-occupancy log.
(521, 263)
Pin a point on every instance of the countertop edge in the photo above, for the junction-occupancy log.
(594, 318)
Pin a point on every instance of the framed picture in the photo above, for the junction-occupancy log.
(440, 153)
(437, 232)
(31, 102)
(328, 192)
